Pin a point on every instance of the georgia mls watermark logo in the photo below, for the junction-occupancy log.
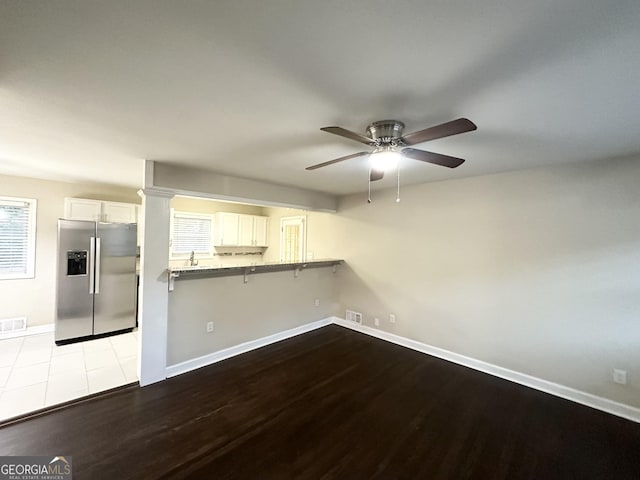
(35, 468)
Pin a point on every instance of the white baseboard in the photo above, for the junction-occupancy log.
(36, 330)
(205, 360)
(568, 393)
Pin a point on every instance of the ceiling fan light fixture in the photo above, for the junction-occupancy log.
(384, 159)
(389, 142)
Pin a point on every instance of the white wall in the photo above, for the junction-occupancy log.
(537, 271)
(35, 297)
(202, 205)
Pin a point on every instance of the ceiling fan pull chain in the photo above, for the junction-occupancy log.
(398, 194)
(369, 198)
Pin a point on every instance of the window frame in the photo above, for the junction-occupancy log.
(202, 216)
(31, 238)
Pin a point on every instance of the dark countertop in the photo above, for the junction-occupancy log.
(253, 267)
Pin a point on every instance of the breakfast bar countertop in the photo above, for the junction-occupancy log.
(253, 267)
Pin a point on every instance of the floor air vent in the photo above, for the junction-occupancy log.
(352, 316)
(13, 324)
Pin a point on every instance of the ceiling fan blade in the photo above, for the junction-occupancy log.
(376, 175)
(343, 132)
(341, 159)
(431, 157)
(453, 127)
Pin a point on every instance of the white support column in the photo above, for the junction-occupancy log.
(154, 293)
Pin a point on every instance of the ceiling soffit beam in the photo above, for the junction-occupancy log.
(206, 184)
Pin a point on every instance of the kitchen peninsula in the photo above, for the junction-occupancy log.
(216, 308)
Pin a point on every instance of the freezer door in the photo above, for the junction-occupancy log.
(74, 304)
(115, 285)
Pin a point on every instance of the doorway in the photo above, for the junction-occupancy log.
(293, 238)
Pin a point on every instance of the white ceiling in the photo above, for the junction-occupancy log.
(89, 89)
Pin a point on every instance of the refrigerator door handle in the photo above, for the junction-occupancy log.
(92, 262)
(97, 269)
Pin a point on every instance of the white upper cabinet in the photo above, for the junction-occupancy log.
(82, 209)
(240, 230)
(245, 231)
(260, 232)
(227, 229)
(117, 212)
(99, 211)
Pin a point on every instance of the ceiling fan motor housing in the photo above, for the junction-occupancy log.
(386, 132)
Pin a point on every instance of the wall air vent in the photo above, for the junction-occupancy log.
(13, 324)
(352, 316)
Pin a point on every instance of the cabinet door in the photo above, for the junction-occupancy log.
(245, 232)
(82, 209)
(227, 229)
(117, 212)
(260, 237)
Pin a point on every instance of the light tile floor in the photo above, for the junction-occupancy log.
(35, 372)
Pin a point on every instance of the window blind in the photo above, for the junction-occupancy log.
(191, 234)
(16, 242)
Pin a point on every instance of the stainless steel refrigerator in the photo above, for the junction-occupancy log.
(96, 287)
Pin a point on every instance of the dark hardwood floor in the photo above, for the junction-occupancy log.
(333, 404)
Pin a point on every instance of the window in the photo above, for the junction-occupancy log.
(191, 232)
(17, 237)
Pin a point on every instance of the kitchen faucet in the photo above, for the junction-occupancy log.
(192, 261)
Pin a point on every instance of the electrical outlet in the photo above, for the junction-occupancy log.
(620, 376)
(209, 327)
(316, 302)
(392, 318)
(376, 322)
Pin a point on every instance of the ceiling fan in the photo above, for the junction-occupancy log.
(387, 141)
